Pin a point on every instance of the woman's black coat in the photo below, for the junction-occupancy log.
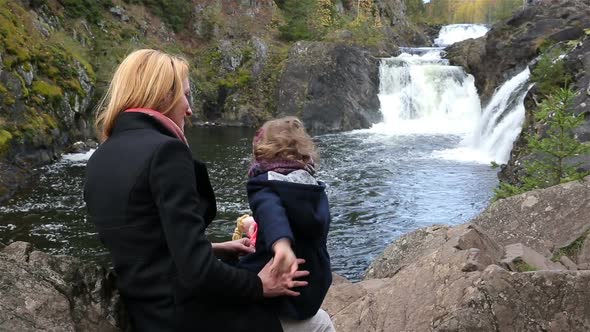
(141, 195)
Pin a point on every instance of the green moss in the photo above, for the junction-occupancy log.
(5, 138)
(37, 124)
(49, 120)
(8, 61)
(13, 39)
(176, 13)
(7, 97)
(572, 250)
(74, 85)
(236, 79)
(522, 266)
(52, 92)
(89, 9)
(73, 48)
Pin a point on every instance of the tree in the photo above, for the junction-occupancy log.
(297, 15)
(553, 148)
(467, 11)
(415, 9)
(550, 72)
(557, 145)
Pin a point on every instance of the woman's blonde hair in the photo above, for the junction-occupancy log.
(145, 79)
(284, 138)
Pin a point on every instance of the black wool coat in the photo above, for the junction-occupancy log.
(151, 202)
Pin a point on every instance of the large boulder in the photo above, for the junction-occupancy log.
(544, 220)
(55, 293)
(441, 291)
(331, 87)
(450, 278)
(509, 46)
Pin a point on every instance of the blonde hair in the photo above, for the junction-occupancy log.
(145, 79)
(284, 138)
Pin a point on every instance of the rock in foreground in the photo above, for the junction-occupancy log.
(480, 276)
(40, 292)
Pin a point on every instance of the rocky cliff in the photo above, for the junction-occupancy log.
(330, 87)
(56, 57)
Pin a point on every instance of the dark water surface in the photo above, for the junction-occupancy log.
(380, 187)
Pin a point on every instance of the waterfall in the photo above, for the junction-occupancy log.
(450, 34)
(498, 127)
(501, 121)
(422, 94)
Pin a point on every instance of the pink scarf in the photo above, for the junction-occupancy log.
(164, 120)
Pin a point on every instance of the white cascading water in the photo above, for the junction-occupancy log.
(453, 33)
(499, 125)
(421, 94)
(501, 121)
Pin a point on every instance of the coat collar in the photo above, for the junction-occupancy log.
(133, 121)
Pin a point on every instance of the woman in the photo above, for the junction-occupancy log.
(151, 203)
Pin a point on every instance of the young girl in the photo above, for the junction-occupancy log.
(292, 212)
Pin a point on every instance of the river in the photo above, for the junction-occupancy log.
(425, 164)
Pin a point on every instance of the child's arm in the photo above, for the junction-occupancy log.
(284, 258)
(274, 224)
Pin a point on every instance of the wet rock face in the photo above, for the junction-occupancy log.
(330, 87)
(55, 293)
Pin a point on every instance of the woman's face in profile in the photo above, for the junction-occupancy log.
(183, 107)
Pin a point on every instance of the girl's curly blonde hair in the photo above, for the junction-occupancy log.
(284, 138)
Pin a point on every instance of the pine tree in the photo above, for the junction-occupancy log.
(553, 148)
(557, 145)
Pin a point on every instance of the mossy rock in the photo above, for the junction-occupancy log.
(6, 97)
(5, 138)
(50, 91)
(572, 250)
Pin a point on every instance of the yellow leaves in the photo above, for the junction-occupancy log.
(324, 9)
(470, 11)
(367, 14)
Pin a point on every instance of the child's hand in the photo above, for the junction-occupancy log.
(233, 249)
(284, 258)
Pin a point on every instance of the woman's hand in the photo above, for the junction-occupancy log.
(232, 249)
(284, 258)
(277, 285)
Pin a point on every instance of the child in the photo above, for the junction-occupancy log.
(292, 213)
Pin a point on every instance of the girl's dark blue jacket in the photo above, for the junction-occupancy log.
(299, 212)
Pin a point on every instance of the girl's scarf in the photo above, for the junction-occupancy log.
(282, 166)
(163, 120)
